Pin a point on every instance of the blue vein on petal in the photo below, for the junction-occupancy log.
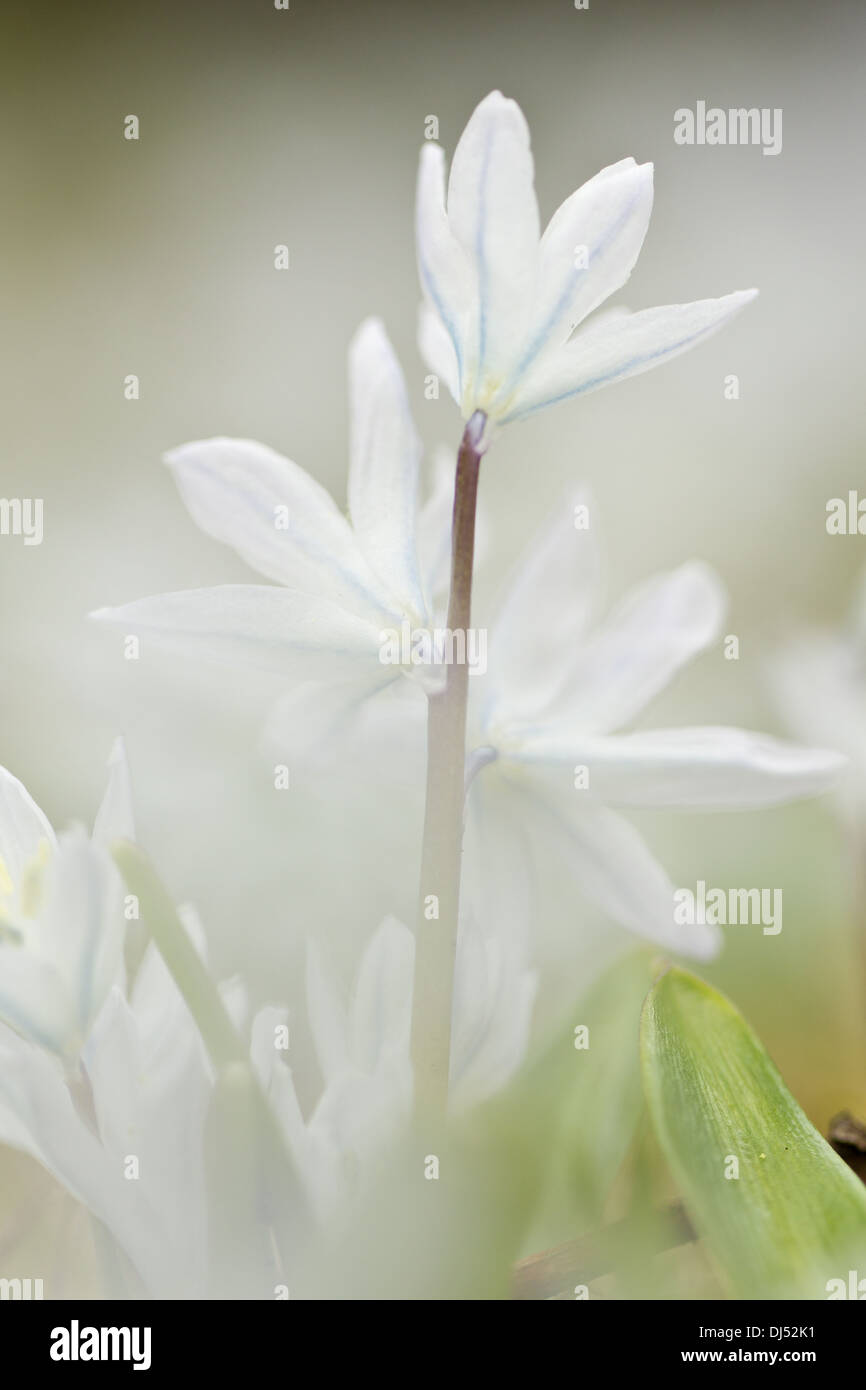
(613, 375)
(609, 240)
(446, 319)
(481, 260)
(315, 555)
(25, 1029)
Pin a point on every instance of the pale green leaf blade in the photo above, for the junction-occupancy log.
(795, 1216)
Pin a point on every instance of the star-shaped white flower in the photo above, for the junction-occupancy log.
(61, 919)
(341, 584)
(559, 692)
(364, 1054)
(502, 301)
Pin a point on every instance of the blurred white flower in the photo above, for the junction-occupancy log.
(61, 918)
(557, 690)
(363, 1052)
(120, 1126)
(340, 584)
(819, 679)
(125, 1136)
(502, 301)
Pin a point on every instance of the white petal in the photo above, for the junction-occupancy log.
(529, 654)
(383, 469)
(359, 1115)
(277, 517)
(619, 347)
(317, 1161)
(695, 769)
(33, 1090)
(327, 1015)
(35, 1000)
(658, 628)
(817, 680)
(588, 252)
(254, 625)
(501, 999)
(437, 349)
(448, 280)
(81, 922)
(612, 865)
(498, 886)
(15, 1130)
(53, 981)
(151, 1087)
(493, 213)
(114, 1065)
(114, 819)
(382, 1004)
(23, 827)
(472, 1001)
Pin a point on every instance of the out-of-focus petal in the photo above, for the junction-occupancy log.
(493, 998)
(115, 819)
(383, 470)
(530, 655)
(612, 865)
(382, 1004)
(658, 628)
(255, 625)
(317, 1160)
(327, 1014)
(33, 1090)
(24, 830)
(81, 924)
(690, 768)
(57, 967)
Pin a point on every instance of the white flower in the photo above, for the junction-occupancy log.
(61, 918)
(341, 585)
(502, 301)
(138, 1091)
(141, 1095)
(363, 1052)
(557, 693)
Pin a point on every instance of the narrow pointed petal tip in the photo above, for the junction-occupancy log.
(370, 335)
(617, 346)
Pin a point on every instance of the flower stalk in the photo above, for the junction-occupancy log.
(442, 847)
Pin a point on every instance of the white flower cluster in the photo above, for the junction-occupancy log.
(98, 1062)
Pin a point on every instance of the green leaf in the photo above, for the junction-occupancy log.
(795, 1216)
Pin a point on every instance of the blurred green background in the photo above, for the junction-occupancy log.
(155, 257)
